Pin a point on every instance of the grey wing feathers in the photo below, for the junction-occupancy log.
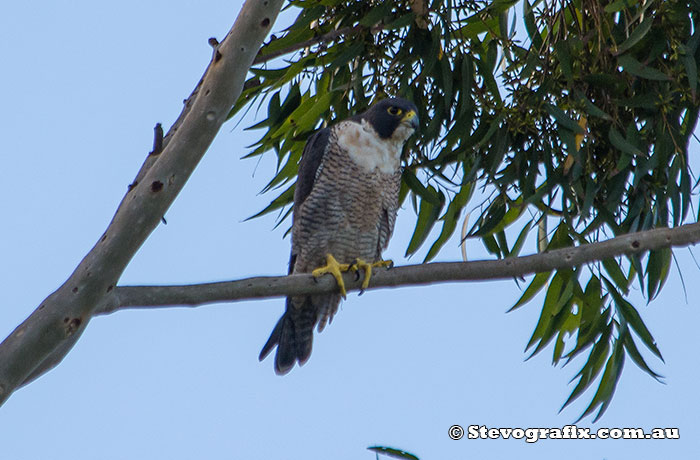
(388, 218)
(308, 166)
(385, 229)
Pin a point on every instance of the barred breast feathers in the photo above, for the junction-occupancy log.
(367, 149)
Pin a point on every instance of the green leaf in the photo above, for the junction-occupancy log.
(306, 116)
(562, 50)
(592, 367)
(391, 452)
(631, 315)
(287, 172)
(542, 242)
(490, 219)
(477, 24)
(454, 211)
(350, 51)
(501, 6)
(246, 97)
(401, 22)
(427, 216)
(447, 79)
(563, 119)
(520, 241)
(593, 319)
(605, 81)
(566, 328)
(685, 192)
(282, 200)
(561, 238)
(467, 78)
(269, 74)
(415, 185)
(619, 141)
(658, 266)
(592, 109)
(531, 25)
(638, 69)
(644, 101)
(608, 383)
(491, 55)
(691, 70)
(633, 352)
(619, 5)
(613, 269)
(553, 301)
(492, 245)
(376, 14)
(502, 242)
(295, 36)
(559, 312)
(637, 34)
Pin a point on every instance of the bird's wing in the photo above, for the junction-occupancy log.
(309, 165)
(390, 205)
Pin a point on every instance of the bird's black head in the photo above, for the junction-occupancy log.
(388, 114)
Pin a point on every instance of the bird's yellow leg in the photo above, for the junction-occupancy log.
(334, 268)
(367, 268)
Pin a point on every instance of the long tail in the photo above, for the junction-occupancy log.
(294, 333)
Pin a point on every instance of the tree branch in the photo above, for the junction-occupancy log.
(274, 286)
(47, 335)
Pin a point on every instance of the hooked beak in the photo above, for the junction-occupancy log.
(411, 118)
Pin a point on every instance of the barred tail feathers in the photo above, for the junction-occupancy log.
(293, 334)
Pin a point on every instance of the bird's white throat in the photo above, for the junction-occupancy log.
(367, 149)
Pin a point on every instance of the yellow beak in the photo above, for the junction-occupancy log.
(412, 118)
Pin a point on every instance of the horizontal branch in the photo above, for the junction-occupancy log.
(410, 275)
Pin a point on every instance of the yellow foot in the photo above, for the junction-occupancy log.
(334, 268)
(367, 268)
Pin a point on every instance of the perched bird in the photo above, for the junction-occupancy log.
(345, 204)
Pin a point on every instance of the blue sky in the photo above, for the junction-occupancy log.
(84, 83)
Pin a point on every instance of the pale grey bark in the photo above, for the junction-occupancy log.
(42, 340)
(410, 275)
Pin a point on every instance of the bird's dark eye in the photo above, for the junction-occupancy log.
(394, 110)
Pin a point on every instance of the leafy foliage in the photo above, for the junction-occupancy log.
(575, 114)
(392, 452)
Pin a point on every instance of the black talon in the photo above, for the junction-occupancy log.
(357, 270)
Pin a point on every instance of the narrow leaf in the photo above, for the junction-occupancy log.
(427, 216)
(636, 356)
(635, 67)
(637, 34)
(631, 315)
(592, 367)
(563, 119)
(391, 452)
(535, 286)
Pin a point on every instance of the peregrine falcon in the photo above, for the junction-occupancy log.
(345, 204)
